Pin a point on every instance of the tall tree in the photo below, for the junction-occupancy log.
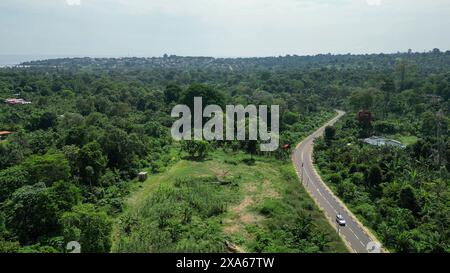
(92, 163)
(172, 93)
(32, 212)
(329, 135)
(88, 226)
(388, 87)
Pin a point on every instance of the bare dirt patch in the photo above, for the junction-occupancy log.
(243, 205)
(268, 190)
(241, 216)
(250, 188)
(255, 191)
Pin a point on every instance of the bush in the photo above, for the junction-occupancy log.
(37, 249)
(357, 178)
(249, 161)
(195, 149)
(347, 191)
(182, 217)
(88, 226)
(32, 212)
(335, 178)
(271, 207)
(12, 179)
(48, 168)
(385, 127)
(9, 247)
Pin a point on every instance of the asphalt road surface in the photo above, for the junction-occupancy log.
(354, 234)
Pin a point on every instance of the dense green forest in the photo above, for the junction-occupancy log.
(402, 193)
(74, 153)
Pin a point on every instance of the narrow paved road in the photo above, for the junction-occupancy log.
(354, 234)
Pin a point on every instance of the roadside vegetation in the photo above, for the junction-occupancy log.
(226, 203)
(70, 158)
(402, 194)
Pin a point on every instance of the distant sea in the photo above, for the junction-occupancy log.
(12, 60)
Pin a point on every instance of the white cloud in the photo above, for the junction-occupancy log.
(73, 2)
(374, 2)
(212, 8)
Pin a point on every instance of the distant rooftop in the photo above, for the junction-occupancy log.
(16, 101)
(380, 141)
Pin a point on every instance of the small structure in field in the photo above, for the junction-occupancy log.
(17, 101)
(142, 176)
(380, 141)
(4, 134)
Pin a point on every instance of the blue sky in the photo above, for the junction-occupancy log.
(222, 28)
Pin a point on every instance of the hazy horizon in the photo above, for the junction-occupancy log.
(16, 59)
(220, 28)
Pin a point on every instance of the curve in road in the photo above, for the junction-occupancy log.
(357, 238)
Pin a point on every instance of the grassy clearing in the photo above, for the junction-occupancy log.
(407, 140)
(198, 206)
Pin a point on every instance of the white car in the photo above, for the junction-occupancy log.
(340, 220)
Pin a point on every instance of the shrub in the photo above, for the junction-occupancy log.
(88, 226)
(335, 178)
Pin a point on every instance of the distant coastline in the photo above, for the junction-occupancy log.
(14, 60)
